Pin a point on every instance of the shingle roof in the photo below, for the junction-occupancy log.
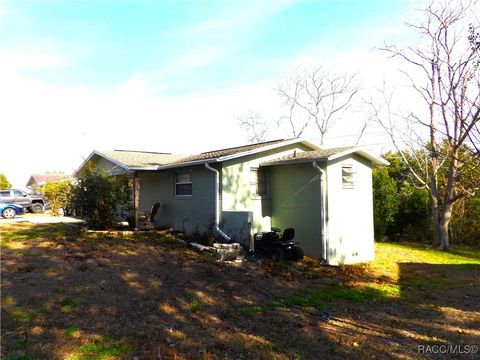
(145, 160)
(214, 154)
(138, 159)
(326, 155)
(323, 154)
(44, 178)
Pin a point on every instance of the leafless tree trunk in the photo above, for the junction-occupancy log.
(317, 97)
(444, 70)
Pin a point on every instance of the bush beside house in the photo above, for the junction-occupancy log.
(98, 197)
(58, 194)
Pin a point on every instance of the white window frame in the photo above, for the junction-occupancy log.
(348, 184)
(255, 182)
(183, 183)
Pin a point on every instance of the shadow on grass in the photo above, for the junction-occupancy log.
(431, 284)
(79, 296)
(150, 297)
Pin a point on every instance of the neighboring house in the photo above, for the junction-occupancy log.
(325, 194)
(37, 180)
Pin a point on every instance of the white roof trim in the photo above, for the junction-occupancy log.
(140, 168)
(98, 153)
(376, 160)
(195, 162)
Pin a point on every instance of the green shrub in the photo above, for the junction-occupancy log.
(4, 183)
(58, 194)
(98, 196)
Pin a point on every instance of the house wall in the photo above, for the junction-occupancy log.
(296, 203)
(350, 212)
(183, 213)
(236, 186)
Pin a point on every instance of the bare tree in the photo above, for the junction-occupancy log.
(443, 69)
(254, 125)
(318, 97)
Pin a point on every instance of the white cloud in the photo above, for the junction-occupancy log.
(53, 127)
(31, 60)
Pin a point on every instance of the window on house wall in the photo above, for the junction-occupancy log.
(258, 181)
(183, 183)
(347, 176)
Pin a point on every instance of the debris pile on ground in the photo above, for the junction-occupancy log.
(223, 252)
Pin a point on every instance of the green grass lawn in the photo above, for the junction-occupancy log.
(387, 255)
(68, 294)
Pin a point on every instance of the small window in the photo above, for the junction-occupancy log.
(259, 181)
(183, 183)
(347, 177)
(5, 193)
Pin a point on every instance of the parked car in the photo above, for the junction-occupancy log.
(31, 202)
(9, 211)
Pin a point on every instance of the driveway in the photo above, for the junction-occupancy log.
(42, 219)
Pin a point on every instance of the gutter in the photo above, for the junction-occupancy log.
(323, 211)
(217, 213)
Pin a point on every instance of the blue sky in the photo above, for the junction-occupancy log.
(185, 46)
(167, 75)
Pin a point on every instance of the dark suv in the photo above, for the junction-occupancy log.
(31, 202)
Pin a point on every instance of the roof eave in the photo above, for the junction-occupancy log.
(270, 147)
(140, 168)
(292, 161)
(98, 153)
(376, 160)
(189, 163)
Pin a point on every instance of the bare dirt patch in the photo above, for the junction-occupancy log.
(71, 295)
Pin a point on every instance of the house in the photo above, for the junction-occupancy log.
(325, 194)
(37, 180)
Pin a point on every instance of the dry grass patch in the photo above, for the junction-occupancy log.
(67, 294)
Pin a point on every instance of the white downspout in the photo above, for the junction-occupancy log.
(323, 207)
(217, 213)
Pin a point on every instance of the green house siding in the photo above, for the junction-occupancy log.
(183, 213)
(236, 185)
(296, 203)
